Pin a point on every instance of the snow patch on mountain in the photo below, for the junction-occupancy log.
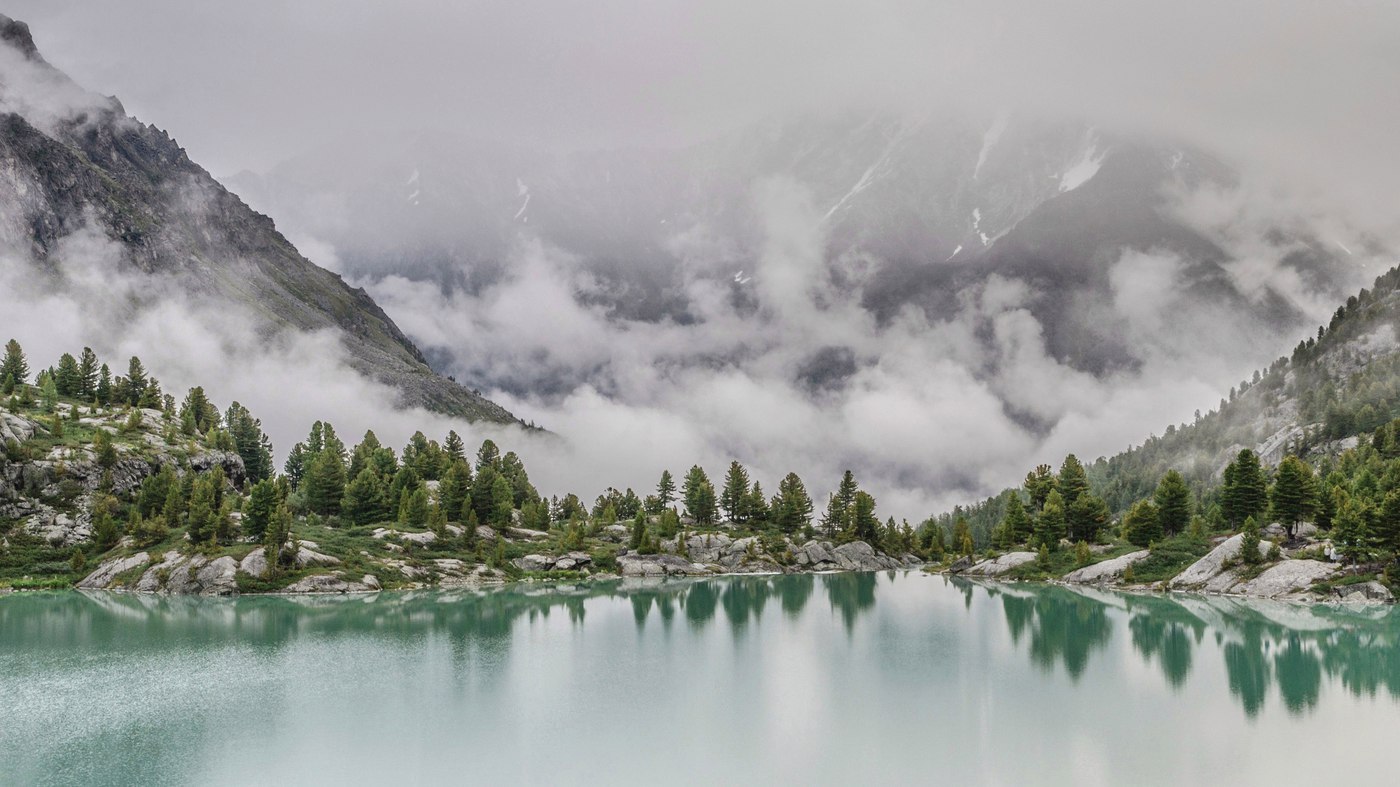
(989, 140)
(1086, 167)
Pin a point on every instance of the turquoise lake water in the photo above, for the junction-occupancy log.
(839, 678)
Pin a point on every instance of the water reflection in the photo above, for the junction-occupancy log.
(1264, 645)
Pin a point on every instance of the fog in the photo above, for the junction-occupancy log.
(928, 409)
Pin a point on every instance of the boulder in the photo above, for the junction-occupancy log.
(1289, 576)
(218, 577)
(534, 563)
(1107, 570)
(1365, 591)
(634, 565)
(327, 583)
(814, 555)
(254, 563)
(370, 581)
(1001, 565)
(308, 556)
(1209, 573)
(960, 565)
(860, 556)
(109, 569)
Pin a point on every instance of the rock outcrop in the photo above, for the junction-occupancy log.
(1000, 565)
(634, 565)
(109, 570)
(1105, 571)
(1286, 578)
(1215, 573)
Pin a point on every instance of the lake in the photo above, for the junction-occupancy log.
(839, 678)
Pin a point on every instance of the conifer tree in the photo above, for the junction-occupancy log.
(15, 366)
(68, 379)
(1050, 525)
(365, 501)
(200, 523)
(1294, 494)
(413, 511)
(1173, 501)
(1249, 543)
(666, 489)
(1350, 531)
(1017, 523)
(1039, 483)
(262, 501)
(87, 374)
(1245, 491)
(325, 483)
(502, 503)
(792, 507)
(1086, 517)
(735, 496)
(104, 526)
(639, 532)
(456, 487)
(279, 530)
(135, 381)
(1142, 524)
(1072, 481)
(455, 450)
(470, 523)
(104, 449)
(103, 393)
(864, 524)
(295, 466)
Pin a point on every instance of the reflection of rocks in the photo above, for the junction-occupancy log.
(1107, 570)
(1365, 591)
(1001, 565)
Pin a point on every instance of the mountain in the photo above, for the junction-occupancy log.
(914, 212)
(1339, 387)
(71, 160)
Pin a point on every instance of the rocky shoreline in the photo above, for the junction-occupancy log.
(702, 555)
(1221, 572)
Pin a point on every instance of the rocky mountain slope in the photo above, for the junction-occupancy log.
(73, 161)
(913, 211)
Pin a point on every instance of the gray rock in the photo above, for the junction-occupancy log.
(109, 569)
(1209, 573)
(1001, 565)
(634, 565)
(860, 556)
(326, 583)
(370, 581)
(218, 577)
(1365, 591)
(1106, 571)
(534, 563)
(1289, 576)
(255, 563)
(960, 565)
(308, 556)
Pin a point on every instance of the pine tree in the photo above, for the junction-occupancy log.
(1249, 543)
(135, 381)
(1016, 524)
(502, 503)
(87, 374)
(639, 532)
(864, 524)
(413, 511)
(846, 493)
(1245, 491)
(456, 451)
(1142, 524)
(252, 445)
(68, 379)
(295, 466)
(200, 523)
(1294, 495)
(735, 496)
(1173, 501)
(174, 507)
(104, 527)
(1039, 483)
(488, 456)
(456, 486)
(365, 501)
(666, 489)
(1350, 531)
(792, 507)
(1086, 517)
(279, 530)
(103, 394)
(1072, 481)
(470, 523)
(1050, 525)
(104, 449)
(325, 483)
(15, 366)
(437, 520)
(262, 501)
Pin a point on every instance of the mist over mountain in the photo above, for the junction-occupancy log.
(837, 290)
(925, 244)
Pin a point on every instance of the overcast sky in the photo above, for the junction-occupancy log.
(247, 84)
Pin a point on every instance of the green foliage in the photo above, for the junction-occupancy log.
(1142, 525)
(1294, 494)
(14, 367)
(1249, 546)
(1050, 525)
(1173, 501)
